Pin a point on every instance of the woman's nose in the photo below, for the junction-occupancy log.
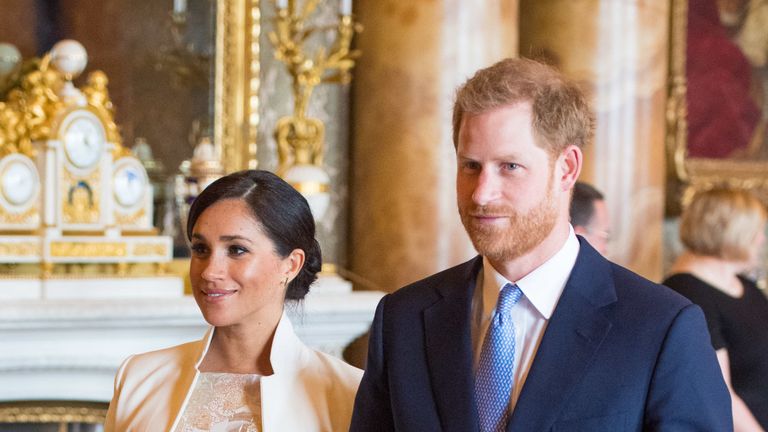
(213, 269)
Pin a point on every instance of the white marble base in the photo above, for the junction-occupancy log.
(70, 349)
(21, 289)
(91, 288)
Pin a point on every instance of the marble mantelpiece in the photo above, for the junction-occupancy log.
(70, 349)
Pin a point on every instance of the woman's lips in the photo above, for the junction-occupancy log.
(217, 294)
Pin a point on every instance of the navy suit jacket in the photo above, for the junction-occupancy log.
(620, 353)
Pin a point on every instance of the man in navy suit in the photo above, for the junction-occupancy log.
(593, 346)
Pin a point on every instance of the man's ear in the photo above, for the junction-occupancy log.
(569, 166)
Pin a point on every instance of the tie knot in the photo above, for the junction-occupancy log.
(508, 297)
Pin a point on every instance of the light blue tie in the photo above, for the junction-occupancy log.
(495, 370)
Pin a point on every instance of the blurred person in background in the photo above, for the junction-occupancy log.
(589, 216)
(723, 231)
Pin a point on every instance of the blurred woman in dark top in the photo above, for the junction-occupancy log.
(724, 231)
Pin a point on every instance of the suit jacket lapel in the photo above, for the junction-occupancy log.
(449, 348)
(575, 332)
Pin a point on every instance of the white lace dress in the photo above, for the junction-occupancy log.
(223, 402)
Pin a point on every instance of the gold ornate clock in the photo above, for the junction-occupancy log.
(69, 191)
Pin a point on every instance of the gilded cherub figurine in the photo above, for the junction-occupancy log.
(38, 104)
(7, 138)
(97, 94)
(96, 91)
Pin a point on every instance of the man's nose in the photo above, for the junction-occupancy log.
(487, 187)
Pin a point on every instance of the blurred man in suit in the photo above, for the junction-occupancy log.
(589, 216)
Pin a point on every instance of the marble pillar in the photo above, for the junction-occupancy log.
(617, 51)
(404, 222)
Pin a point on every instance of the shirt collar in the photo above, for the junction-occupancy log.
(543, 286)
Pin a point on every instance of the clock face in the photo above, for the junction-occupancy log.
(18, 182)
(84, 141)
(130, 183)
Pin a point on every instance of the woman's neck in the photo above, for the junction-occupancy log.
(719, 273)
(243, 349)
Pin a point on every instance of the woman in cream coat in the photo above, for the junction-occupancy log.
(253, 247)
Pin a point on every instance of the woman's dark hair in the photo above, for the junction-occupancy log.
(280, 210)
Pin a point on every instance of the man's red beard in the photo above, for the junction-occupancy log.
(521, 233)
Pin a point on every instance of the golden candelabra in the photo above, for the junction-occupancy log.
(299, 137)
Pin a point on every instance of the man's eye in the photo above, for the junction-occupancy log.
(511, 166)
(471, 165)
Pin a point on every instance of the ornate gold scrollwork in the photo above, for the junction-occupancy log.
(20, 249)
(28, 216)
(129, 219)
(74, 249)
(150, 249)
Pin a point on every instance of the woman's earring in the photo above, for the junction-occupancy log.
(285, 282)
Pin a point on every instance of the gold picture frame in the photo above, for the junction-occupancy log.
(689, 174)
(236, 92)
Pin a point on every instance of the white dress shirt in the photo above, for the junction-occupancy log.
(541, 291)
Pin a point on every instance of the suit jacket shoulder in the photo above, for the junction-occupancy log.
(455, 281)
(633, 285)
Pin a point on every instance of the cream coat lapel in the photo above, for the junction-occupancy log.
(308, 391)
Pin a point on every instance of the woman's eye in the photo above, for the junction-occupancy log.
(237, 250)
(198, 249)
